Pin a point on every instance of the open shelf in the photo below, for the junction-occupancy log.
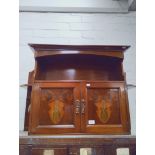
(79, 67)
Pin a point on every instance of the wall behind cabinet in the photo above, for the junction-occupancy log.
(72, 28)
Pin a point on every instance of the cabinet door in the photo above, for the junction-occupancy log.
(106, 109)
(55, 108)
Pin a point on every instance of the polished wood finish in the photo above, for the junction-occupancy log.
(110, 97)
(54, 47)
(77, 90)
(73, 120)
(28, 100)
(65, 93)
(42, 151)
(79, 67)
(67, 145)
(97, 53)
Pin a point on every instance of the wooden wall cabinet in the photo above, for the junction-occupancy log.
(77, 90)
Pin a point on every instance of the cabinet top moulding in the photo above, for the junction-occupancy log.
(41, 50)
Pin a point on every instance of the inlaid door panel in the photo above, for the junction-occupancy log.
(55, 108)
(105, 109)
(105, 102)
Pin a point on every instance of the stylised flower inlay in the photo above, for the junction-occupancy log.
(56, 111)
(104, 108)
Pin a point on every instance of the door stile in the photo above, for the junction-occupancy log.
(124, 110)
(77, 110)
(84, 109)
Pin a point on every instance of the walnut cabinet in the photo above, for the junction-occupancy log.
(77, 90)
